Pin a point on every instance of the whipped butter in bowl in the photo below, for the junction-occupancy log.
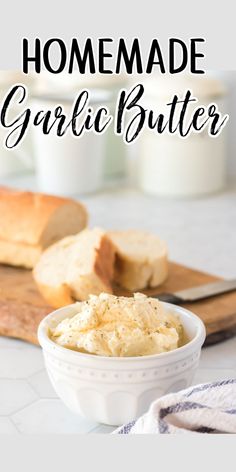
(109, 357)
(107, 325)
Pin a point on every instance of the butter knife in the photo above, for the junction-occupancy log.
(200, 292)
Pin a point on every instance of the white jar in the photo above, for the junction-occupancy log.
(68, 165)
(171, 165)
(115, 150)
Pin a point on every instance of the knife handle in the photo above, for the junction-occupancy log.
(169, 298)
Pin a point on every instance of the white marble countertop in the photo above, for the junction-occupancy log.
(200, 233)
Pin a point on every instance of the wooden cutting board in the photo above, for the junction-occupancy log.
(22, 307)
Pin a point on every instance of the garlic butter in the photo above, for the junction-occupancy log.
(107, 325)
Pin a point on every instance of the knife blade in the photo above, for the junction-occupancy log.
(199, 292)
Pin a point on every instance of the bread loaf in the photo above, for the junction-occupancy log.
(30, 222)
(76, 267)
(141, 259)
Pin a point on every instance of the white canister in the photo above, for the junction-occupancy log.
(172, 166)
(68, 165)
(115, 150)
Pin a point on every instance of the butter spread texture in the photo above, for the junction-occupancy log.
(108, 325)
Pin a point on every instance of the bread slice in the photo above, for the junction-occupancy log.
(30, 222)
(76, 267)
(141, 259)
(19, 254)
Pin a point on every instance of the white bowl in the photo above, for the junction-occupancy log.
(116, 390)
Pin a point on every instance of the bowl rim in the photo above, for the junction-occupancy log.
(48, 344)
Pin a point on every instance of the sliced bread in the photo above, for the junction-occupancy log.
(141, 259)
(76, 267)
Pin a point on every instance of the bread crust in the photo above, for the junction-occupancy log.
(24, 215)
(56, 296)
(26, 224)
(104, 262)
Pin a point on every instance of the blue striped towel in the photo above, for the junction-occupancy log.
(205, 408)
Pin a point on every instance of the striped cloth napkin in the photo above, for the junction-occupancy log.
(205, 408)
